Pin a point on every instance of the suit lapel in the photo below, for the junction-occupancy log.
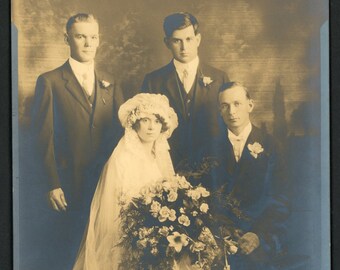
(101, 99)
(73, 86)
(229, 154)
(103, 96)
(172, 85)
(226, 153)
(201, 93)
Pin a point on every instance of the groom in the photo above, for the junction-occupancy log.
(191, 86)
(75, 125)
(249, 182)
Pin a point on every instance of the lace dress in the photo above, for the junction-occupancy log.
(126, 172)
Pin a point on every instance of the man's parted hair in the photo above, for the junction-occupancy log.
(230, 85)
(80, 17)
(177, 21)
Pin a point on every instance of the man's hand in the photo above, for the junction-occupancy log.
(57, 199)
(248, 242)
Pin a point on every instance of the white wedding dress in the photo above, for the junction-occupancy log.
(126, 172)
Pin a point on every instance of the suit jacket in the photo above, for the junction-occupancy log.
(74, 139)
(254, 185)
(202, 123)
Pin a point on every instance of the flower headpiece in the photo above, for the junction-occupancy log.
(141, 104)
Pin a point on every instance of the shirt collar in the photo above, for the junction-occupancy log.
(80, 68)
(191, 67)
(243, 135)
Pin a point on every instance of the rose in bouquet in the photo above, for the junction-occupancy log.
(168, 225)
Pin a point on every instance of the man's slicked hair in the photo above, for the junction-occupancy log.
(80, 17)
(230, 85)
(178, 21)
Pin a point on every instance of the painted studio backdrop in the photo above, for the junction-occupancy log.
(272, 46)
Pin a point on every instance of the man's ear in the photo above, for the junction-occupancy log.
(166, 42)
(66, 39)
(198, 38)
(251, 105)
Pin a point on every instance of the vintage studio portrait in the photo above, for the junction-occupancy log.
(170, 135)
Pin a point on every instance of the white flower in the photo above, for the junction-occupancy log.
(164, 231)
(195, 194)
(172, 196)
(194, 213)
(142, 243)
(206, 80)
(230, 245)
(178, 241)
(164, 213)
(166, 186)
(105, 84)
(155, 207)
(205, 193)
(172, 215)
(182, 182)
(184, 220)
(255, 149)
(204, 207)
(154, 251)
(197, 246)
(144, 232)
(233, 249)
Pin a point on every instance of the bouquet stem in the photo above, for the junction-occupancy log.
(227, 265)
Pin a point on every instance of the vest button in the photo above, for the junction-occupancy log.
(188, 101)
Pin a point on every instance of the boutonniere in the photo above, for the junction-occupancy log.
(255, 149)
(206, 80)
(104, 84)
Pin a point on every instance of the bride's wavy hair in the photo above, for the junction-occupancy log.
(136, 125)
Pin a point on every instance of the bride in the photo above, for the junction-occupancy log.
(140, 158)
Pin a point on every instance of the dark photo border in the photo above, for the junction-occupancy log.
(335, 129)
(6, 254)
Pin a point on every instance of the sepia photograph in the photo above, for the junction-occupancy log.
(175, 134)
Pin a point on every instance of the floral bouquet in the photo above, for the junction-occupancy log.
(167, 227)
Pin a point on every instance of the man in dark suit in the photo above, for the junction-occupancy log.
(76, 128)
(248, 183)
(191, 86)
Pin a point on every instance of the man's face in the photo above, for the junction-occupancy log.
(235, 108)
(83, 39)
(184, 44)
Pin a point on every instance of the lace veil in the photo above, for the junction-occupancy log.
(127, 170)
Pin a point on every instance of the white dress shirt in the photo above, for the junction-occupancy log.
(238, 142)
(187, 72)
(84, 74)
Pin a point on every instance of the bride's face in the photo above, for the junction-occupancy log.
(149, 128)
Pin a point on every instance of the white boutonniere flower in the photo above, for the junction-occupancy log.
(105, 84)
(206, 80)
(255, 149)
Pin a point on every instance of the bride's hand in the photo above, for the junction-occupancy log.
(57, 199)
